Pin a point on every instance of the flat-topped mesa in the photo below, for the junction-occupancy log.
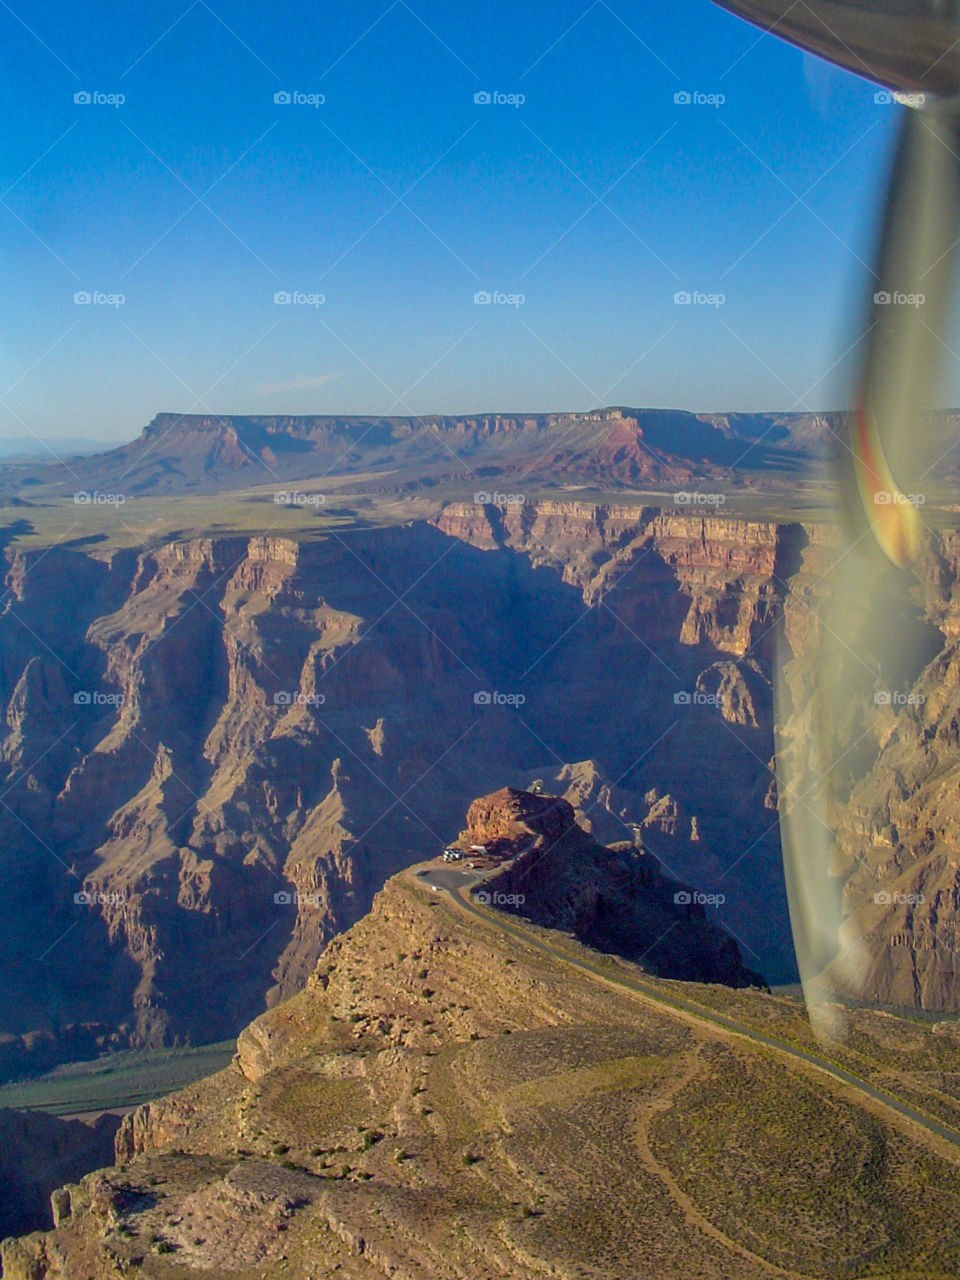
(510, 817)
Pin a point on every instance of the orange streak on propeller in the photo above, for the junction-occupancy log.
(890, 514)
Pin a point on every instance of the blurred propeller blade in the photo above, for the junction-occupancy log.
(870, 631)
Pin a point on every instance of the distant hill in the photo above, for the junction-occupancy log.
(631, 447)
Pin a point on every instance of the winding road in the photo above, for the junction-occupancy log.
(457, 882)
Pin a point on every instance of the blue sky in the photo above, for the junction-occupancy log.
(597, 199)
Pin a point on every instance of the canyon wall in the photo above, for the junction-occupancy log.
(217, 751)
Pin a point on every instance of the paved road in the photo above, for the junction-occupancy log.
(454, 880)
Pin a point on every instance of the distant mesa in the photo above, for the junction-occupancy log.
(618, 445)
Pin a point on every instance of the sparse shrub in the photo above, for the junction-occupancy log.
(281, 1148)
(427, 993)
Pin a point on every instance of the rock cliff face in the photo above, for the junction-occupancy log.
(38, 1154)
(615, 899)
(216, 751)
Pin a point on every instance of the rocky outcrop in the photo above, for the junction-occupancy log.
(616, 899)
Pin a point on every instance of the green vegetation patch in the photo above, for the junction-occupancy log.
(117, 1080)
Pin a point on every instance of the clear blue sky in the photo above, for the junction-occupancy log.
(598, 199)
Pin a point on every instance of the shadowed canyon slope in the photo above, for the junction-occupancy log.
(267, 729)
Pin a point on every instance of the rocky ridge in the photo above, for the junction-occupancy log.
(444, 1101)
